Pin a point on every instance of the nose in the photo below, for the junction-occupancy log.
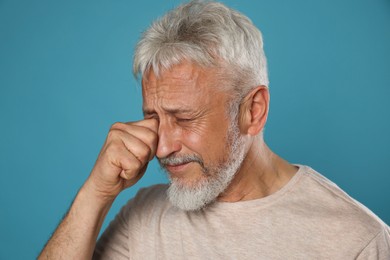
(168, 140)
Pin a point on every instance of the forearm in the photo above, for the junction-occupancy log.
(121, 163)
(76, 236)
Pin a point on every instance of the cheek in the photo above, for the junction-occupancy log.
(208, 144)
(194, 141)
(193, 138)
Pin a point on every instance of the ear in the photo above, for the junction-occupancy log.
(254, 111)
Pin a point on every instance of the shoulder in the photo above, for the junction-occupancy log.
(338, 211)
(378, 247)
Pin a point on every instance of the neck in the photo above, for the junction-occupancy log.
(261, 174)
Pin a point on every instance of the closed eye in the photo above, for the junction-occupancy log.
(152, 116)
(183, 119)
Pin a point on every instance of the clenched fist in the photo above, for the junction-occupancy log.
(124, 157)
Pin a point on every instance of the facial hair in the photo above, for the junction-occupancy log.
(216, 177)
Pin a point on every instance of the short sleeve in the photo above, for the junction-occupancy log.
(113, 243)
(378, 248)
(122, 237)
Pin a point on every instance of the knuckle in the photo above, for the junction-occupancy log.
(113, 134)
(113, 148)
(129, 174)
(154, 138)
(116, 125)
(136, 165)
(129, 162)
(145, 153)
(151, 137)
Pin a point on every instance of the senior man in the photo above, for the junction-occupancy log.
(205, 102)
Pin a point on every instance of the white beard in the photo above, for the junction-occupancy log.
(216, 179)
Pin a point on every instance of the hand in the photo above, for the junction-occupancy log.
(124, 157)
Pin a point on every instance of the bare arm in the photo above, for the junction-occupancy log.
(75, 237)
(121, 163)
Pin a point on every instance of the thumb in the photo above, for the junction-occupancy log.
(130, 181)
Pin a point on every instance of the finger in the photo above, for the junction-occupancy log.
(144, 134)
(138, 147)
(130, 182)
(150, 123)
(127, 162)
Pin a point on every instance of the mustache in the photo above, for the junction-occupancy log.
(177, 160)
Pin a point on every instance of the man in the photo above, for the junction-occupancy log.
(205, 102)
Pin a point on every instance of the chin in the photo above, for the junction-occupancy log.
(188, 182)
(193, 195)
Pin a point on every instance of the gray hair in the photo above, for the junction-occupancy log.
(208, 34)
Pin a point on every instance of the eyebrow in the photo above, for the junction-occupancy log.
(168, 110)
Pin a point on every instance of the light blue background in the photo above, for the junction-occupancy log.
(65, 77)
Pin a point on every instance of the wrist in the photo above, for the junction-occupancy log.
(93, 193)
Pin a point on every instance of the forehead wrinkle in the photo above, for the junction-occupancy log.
(169, 83)
(173, 91)
(169, 99)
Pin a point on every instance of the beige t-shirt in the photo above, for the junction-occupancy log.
(309, 218)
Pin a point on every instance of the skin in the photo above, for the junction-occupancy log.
(191, 119)
(121, 163)
(185, 114)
